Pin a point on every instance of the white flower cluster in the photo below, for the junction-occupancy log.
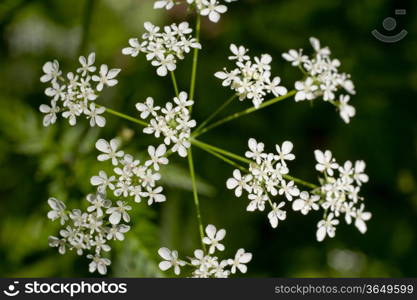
(74, 95)
(265, 179)
(251, 79)
(322, 78)
(91, 230)
(336, 195)
(173, 123)
(211, 8)
(340, 194)
(131, 178)
(207, 265)
(163, 49)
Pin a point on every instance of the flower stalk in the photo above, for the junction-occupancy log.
(244, 112)
(195, 196)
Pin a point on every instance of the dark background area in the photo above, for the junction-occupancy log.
(37, 162)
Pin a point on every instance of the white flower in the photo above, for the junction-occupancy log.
(322, 78)
(164, 64)
(102, 181)
(289, 189)
(257, 201)
(306, 203)
(241, 258)
(167, 4)
(361, 217)
(359, 172)
(295, 57)
(238, 182)
(135, 48)
(57, 243)
(58, 210)
(305, 90)
(147, 108)
(326, 226)
(152, 31)
(90, 230)
(51, 70)
(346, 171)
(173, 122)
(119, 212)
(154, 195)
(50, 113)
(274, 87)
(349, 210)
(72, 94)
(337, 194)
(213, 238)
(132, 178)
(182, 102)
(94, 113)
(315, 43)
(213, 9)
(239, 53)
(346, 111)
(72, 113)
(98, 263)
(87, 65)
(157, 156)
(163, 49)
(207, 265)
(181, 147)
(109, 150)
(116, 232)
(326, 163)
(277, 214)
(98, 202)
(107, 77)
(171, 260)
(251, 79)
(284, 152)
(56, 92)
(99, 244)
(199, 258)
(256, 150)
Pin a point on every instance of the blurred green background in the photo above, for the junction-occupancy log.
(37, 162)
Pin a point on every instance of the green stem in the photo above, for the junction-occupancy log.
(245, 112)
(195, 59)
(221, 151)
(223, 106)
(123, 116)
(174, 81)
(221, 157)
(195, 195)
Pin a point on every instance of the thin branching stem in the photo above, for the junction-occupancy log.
(245, 112)
(221, 157)
(214, 114)
(174, 82)
(195, 196)
(195, 59)
(123, 116)
(221, 151)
